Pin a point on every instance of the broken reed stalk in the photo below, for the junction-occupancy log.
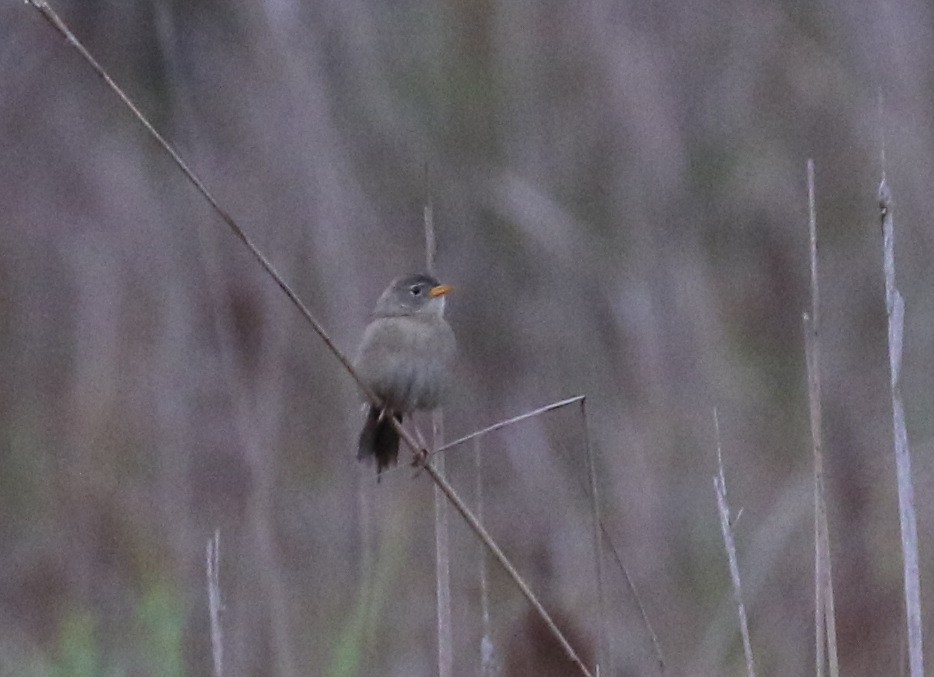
(895, 314)
(422, 455)
(508, 422)
(442, 532)
(213, 560)
(726, 526)
(825, 628)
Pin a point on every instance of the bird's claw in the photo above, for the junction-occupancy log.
(420, 459)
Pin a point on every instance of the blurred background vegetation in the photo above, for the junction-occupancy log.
(619, 192)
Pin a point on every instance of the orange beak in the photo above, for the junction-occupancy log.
(440, 290)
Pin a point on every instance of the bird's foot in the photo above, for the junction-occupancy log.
(420, 458)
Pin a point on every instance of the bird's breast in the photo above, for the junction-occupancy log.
(406, 361)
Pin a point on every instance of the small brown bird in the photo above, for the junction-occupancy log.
(405, 358)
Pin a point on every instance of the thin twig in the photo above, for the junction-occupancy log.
(508, 422)
(656, 645)
(418, 451)
(214, 602)
(492, 428)
(895, 312)
(603, 630)
(719, 485)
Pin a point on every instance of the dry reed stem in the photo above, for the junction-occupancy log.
(895, 313)
(723, 508)
(442, 532)
(420, 453)
(656, 645)
(604, 656)
(810, 358)
(487, 656)
(825, 628)
(214, 602)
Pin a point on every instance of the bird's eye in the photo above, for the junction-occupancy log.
(416, 290)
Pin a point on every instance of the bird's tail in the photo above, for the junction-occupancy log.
(379, 439)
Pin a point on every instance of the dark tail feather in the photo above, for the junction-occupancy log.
(379, 440)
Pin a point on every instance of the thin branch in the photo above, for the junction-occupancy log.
(421, 454)
(895, 312)
(719, 485)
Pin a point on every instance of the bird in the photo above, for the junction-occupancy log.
(405, 358)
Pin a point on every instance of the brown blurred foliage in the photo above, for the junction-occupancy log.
(620, 200)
